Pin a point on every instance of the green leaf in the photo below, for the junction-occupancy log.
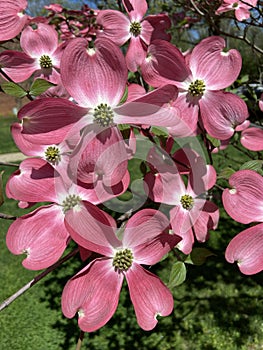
(124, 97)
(214, 142)
(159, 131)
(198, 255)
(39, 86)
(226, 173)
(256, 165)
(13, 89)
(177, 274)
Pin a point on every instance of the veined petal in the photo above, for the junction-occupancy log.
(206, 220)
(17, 65)
(136, 9)
(99, 74)
(115, 26)
(100, 156)
(244, 200)
(252, 139)
(152, 252)
(182, 227)
(93, 293)
(136, 53)
(221, 112)
(210, 62)
(144, 226)
(48, 120)
(40, 41)
(150, 297)
(164, 64)
(12, 19)
(152, 109)
(246, 248)
(41, 235)
(154, 27)
(33, 182)
(92, 228)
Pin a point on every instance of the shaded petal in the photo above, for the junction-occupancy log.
(100, 156)
(12, 19)
(144, 226)
(210, 62)
(48, 120)
(17, 65)
(40, 41)
(244, 201)
(221, 112)
(99, 74)
(154, 27)
(252, 139)
(150, 297)
(92, 228)
(93, 293)
(136, 53)
(207, 220)
(41, 235)
(152, 109)
(115, 26)
(164, 64)
(246, 249)
(136, 9)
(152, 252)
(33, 182)
(182, 227)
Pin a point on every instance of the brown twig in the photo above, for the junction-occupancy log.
(9, 300)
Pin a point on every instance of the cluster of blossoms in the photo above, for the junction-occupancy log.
(82, 133)
(241, 8)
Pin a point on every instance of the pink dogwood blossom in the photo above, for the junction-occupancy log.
(241, 8)
(42, 234)
(94, 291)
(12, 18)
(192, 213)
(97, 83)
(244, 203)
(138, 29)
(200, 78)
(41, 55)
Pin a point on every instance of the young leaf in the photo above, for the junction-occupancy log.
(199, 255)
(226, 173)
(177, 274)
(13, 89)
(39, 86)
(256, 165)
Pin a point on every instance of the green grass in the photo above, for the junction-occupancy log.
(6, 144)
(217, 308)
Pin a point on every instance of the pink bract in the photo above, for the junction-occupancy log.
(138, 29)
(145, 240)
(241, 8)
(244, 200)
(246, 249)
(12, 18)
(200, 79)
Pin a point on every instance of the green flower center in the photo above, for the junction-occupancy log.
(45, 61)
(235, 4)
(103, 115)
(135, 28)
(52, 155)
(70, 202)
(196, 88)
(187, 202)
(122, 260)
